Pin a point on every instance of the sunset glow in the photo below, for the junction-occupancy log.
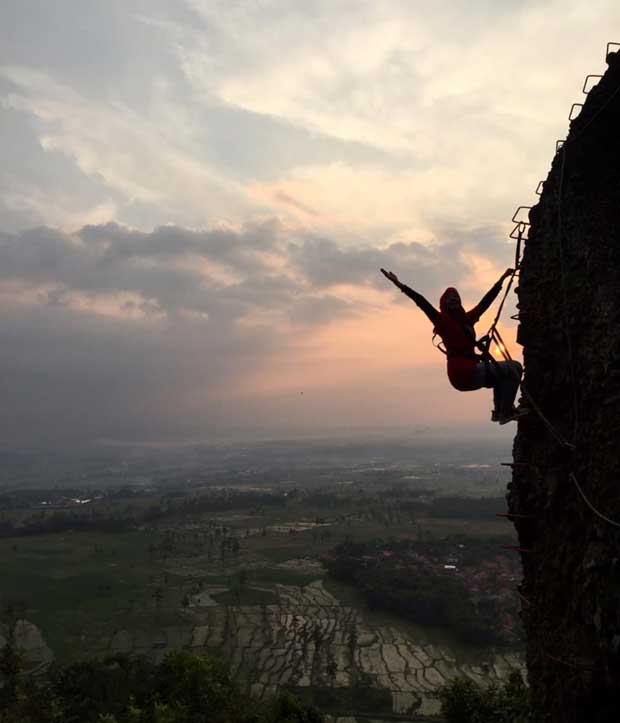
(193, 216)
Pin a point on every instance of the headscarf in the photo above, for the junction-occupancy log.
(458, 314)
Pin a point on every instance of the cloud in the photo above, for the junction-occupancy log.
(116, 332)
(325, 263)
(137, 157)
(472, 114)
(119, 133)
(393, 74)
(220, 272)
(361, 121)
(196, 197)
(70, 375)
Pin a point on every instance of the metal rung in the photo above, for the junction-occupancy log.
(516, 213)
(611, 45)
(510, 515)
(514, 464)
(585, 88)
(572, 108)
(514, 548)
(558, 145)
(521, 228)
(539, 188)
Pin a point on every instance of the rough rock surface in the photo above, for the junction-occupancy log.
(569, 302)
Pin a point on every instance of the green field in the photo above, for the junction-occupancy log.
(72, 584)
(79, 588)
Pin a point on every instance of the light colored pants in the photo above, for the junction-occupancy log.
(504, 378)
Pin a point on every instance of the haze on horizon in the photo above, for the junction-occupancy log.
(196, 197)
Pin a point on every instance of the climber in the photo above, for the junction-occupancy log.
(467, 369)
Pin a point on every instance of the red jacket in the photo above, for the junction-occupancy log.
(456, 329)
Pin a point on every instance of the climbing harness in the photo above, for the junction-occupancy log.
(439, 344)
(484, 342)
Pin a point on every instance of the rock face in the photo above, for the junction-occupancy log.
(569, 302)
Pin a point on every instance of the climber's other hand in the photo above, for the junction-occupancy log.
(392, 277)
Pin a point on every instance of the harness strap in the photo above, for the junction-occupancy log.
(481, 344)
(489, 360)
(439, 346)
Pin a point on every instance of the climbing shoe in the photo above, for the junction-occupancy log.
(516, 414)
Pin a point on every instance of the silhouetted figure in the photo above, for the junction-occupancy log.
(467, 369)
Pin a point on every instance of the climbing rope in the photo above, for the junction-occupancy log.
(590, 505)
(485, 341)
(561, 254)
(557, 435)
(569, 344)
(572, 664)
(494, 334)
(552, 429)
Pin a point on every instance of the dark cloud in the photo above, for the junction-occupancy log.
(69, 376)
(71, 370)
(326, 263)
(156, 266)
(238, 249)
(173, 270)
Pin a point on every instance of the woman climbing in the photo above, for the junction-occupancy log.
(467, 369)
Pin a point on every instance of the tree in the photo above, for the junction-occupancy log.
(183, 688)
(287, 709)
(463, 701)
(11, 662)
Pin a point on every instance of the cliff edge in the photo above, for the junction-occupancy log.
(569, 307)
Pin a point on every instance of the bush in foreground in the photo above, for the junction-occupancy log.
(183, 688)
(463, 701)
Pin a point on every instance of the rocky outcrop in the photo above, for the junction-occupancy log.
(569, 305)
(29, 640)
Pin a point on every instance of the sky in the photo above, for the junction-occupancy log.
(196, 197)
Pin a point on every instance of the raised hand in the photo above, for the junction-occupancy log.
(507, 273)
(392, 277)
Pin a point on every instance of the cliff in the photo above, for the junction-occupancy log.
(569, 306)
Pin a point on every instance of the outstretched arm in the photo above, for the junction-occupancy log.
(489, 297)
(425, 305)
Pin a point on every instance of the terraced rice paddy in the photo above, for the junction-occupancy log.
(310, 640)
(285, 625)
